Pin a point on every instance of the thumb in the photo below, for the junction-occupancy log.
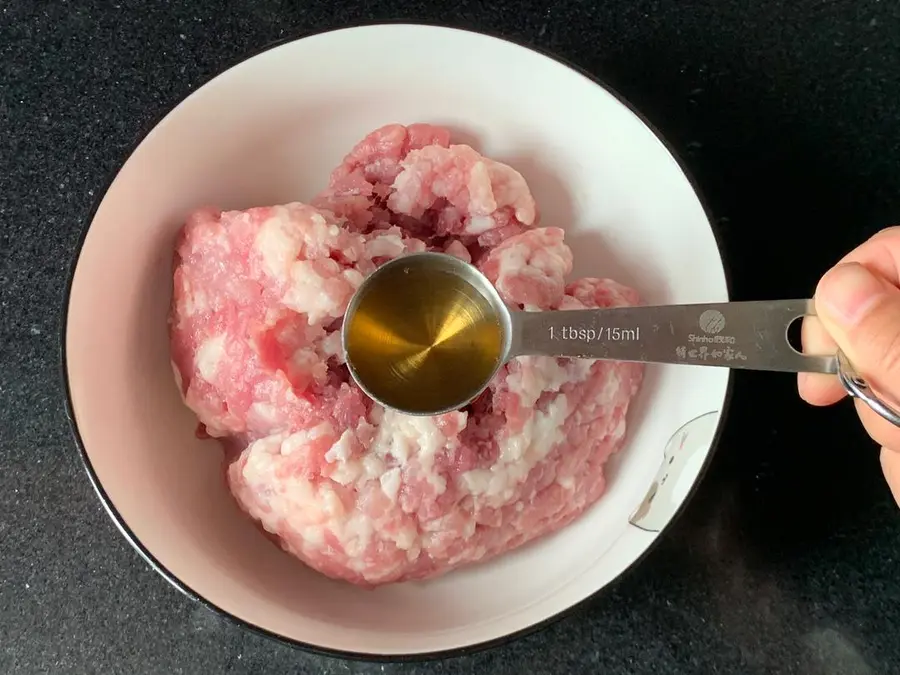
(861, 311)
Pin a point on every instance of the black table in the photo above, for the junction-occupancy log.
(788, 114)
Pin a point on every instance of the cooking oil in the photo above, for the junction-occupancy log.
(422, 338)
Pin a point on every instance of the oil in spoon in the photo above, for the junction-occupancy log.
(422, 335)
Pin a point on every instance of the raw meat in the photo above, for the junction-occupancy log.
(412, 177)
(355, 491)
(255, 326)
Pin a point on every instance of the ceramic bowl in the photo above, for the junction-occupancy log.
(268, 131)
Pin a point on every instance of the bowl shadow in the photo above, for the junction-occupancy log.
(462, 136)
(554, 201)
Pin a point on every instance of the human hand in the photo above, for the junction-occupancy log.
(858, 307)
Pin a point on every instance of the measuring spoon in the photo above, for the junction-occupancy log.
(425, 333)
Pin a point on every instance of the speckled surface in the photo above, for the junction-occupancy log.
(788, 559)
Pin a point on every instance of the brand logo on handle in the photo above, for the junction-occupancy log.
(712, 322)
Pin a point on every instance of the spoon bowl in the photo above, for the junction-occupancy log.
(425, 333)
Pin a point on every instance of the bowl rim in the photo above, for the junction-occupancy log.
(412, 657)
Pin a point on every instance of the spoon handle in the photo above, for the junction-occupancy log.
(742, 335)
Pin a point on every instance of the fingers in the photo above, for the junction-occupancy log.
(860, 310)
(881, 254)
(890, 466)
(814, 388)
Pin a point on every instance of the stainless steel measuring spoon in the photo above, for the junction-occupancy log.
(464, 332)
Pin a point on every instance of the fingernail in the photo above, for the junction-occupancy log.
(848, 291)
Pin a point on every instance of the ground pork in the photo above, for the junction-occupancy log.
(355, 491)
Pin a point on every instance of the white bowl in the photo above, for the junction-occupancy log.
(268, 131)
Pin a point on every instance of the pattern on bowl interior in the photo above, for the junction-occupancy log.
(683, 455)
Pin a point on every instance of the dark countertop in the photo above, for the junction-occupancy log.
(787, 113)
